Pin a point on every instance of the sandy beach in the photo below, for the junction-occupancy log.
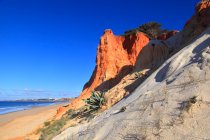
(21, 123)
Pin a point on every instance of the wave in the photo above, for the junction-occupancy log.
(8, 109)
(12, 109)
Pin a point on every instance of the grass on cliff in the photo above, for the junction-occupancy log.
(83, 114)
(52, 129)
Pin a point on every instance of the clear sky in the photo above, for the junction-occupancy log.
(48, 47)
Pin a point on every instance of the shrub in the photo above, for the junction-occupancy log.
(152, 29)
(72, 114)
(95, 101)
(46, 123)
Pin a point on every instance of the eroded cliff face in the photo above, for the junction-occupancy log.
(149, 59)
(128, 64)
(198, 22)
(116, 56)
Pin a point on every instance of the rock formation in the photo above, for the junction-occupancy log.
(198, 23)
(152, 56)
(167, 35)
(116, 57)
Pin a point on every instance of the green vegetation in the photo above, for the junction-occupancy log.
(52, 129)
(46, 123)
(85, 113)
(95, 101)
(152, 29)
(72, 114)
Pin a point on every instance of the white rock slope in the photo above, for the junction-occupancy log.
(172, 104)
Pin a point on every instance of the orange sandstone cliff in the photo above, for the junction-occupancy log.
(116, 57)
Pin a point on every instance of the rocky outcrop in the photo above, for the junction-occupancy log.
(167, 35)
(152, 56)
(198, 23)
(116, 56)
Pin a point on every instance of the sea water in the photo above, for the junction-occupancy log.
(13, 106)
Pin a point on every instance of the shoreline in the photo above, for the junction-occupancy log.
(29, 108)
(24, 122)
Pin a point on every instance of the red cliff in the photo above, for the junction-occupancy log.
(116, 57)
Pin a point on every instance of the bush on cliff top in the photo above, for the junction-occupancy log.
(152, 29)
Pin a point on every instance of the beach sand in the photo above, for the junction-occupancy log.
(21, 123)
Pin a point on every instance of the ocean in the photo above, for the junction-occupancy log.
(13, 106)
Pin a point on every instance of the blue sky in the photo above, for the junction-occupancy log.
(48, 47)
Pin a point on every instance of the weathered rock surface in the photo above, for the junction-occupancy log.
(152, 55)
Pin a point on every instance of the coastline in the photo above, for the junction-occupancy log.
(23, 108)
(21, 123)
